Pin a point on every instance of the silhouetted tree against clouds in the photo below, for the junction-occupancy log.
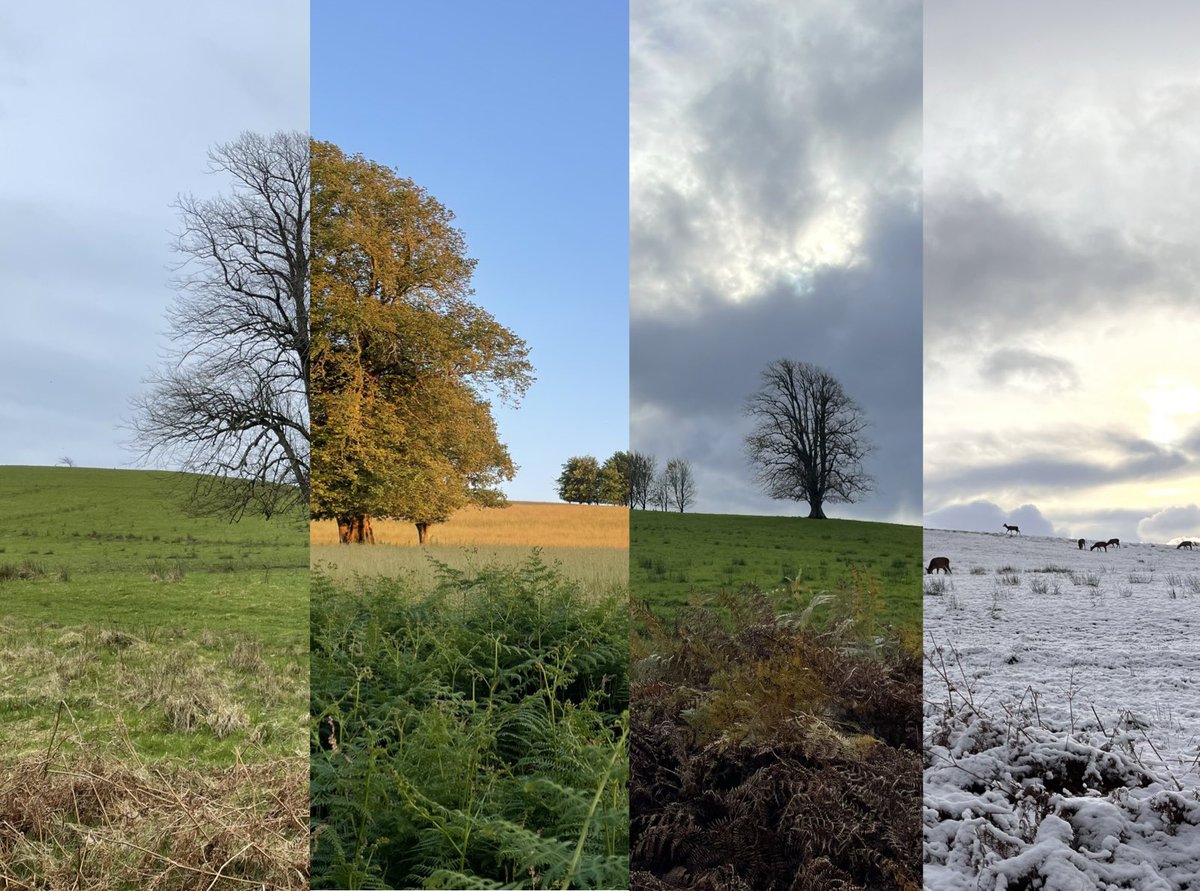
(660, 492)
(642, 470)
(808, 442)
(681, 483)
(231, 401)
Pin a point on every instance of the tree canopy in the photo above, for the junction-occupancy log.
(581, 481)
(404, 364)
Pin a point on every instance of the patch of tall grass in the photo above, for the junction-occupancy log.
(598, 571)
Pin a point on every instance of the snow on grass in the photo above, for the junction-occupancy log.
(1062, 715)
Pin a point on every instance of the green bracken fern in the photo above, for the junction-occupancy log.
(482, 734)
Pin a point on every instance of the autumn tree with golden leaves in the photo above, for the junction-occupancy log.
(404, 364)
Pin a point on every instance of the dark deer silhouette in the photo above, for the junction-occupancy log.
(1114, 542)
(1009, 530)
(1101, 544)
(1184, 544)
(938, 563)
(1082, 542)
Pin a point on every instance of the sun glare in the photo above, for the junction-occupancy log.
(1168, 401)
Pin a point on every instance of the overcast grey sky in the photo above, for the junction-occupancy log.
(775, 213)
(1062, 157)
(107, 112)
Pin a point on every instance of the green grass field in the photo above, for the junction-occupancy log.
(89, 557)
(675, 558)
(138, 638)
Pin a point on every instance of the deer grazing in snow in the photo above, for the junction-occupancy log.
(1009, 530)
(938, 563)
(1184, 544)
(1101, 544)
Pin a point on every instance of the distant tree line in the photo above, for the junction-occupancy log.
(631, 479)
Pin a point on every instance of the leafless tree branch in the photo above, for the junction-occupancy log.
(231, 401)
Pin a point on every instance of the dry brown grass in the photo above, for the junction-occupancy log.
(103, 819)
(522, 523)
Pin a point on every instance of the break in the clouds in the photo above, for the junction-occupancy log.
(775, 213)
(106, 117)
(1060, 270)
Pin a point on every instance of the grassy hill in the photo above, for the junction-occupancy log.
(676, 557)
(114, 551)
(165, 657)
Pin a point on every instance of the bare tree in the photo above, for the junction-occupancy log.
(66, 461)
(808, 443)
(231, 401)
(681, 483)
(642, 470)
(660, 492)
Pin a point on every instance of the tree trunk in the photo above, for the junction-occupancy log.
(423, 533)
(815, 512)
(355, 528)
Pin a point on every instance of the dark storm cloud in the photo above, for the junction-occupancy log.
(1191, 442)
(692, 372)
(1015, 365)
(994, 271)
(798, 118)
(1060, 471)
(835, 84)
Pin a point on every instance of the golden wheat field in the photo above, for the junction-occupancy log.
(528, 523)
(589, 542)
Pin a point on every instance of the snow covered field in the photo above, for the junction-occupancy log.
(1062, 715)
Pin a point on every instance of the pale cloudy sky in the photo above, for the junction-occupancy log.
(1062, 280)
(107, 112)
(775, 212)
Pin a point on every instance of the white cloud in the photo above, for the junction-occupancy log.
(1059, 267)
(1172, 524)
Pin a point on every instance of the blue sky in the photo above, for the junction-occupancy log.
(514, 116)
